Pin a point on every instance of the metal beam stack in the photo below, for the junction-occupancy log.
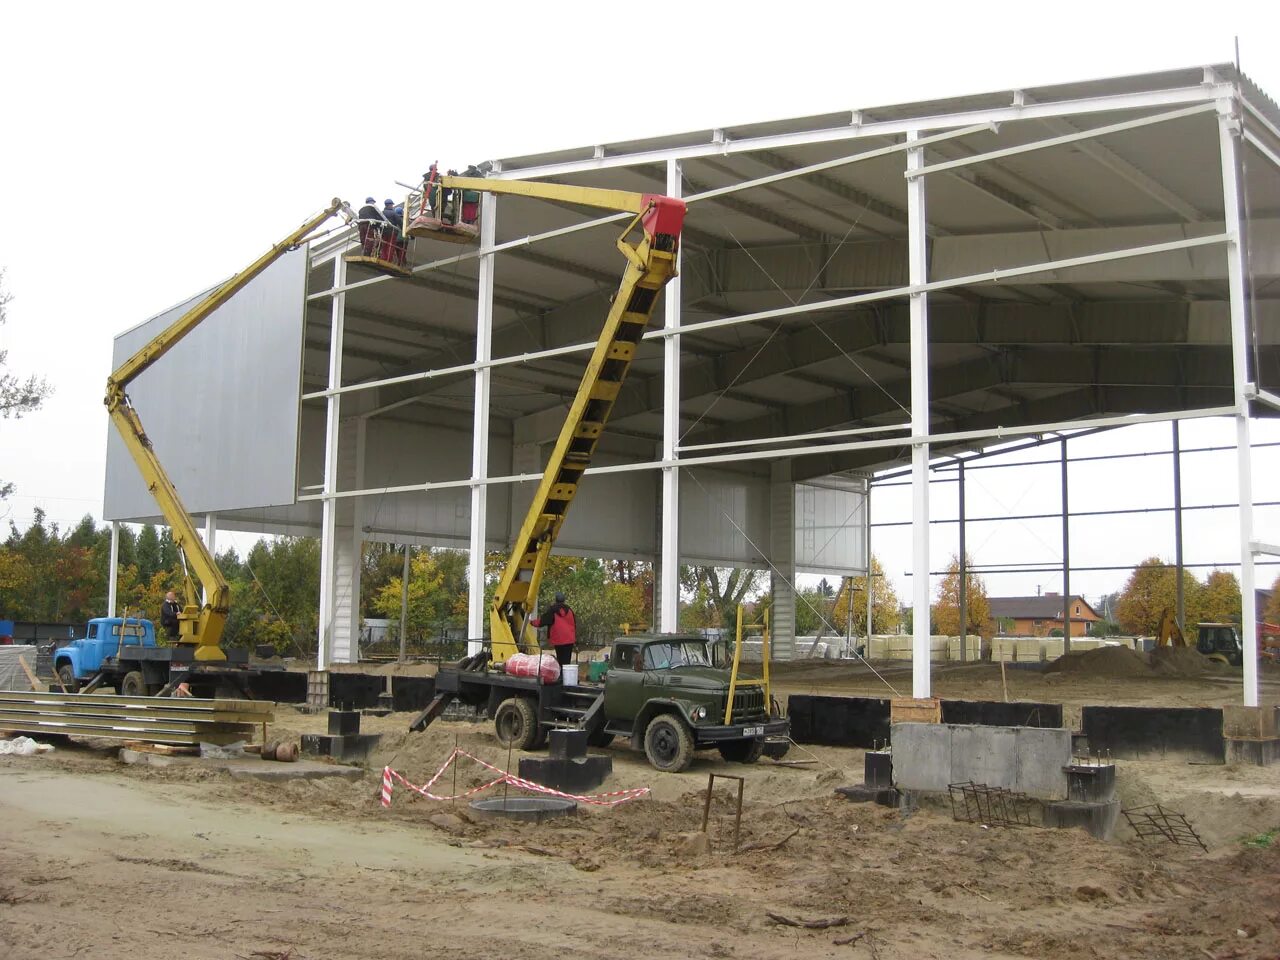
(155, 719)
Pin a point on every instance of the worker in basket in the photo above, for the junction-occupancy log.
(561, 627)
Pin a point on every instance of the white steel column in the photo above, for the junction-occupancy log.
(211, 544)
(918, 273)
(669, 536)
(113, 568)
(480, 427)
(1228, 131)
(328, 525)
(871, 583)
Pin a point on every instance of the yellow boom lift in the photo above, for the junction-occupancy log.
(199, 625)
(651, 262)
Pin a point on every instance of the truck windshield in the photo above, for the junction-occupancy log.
(664, 656)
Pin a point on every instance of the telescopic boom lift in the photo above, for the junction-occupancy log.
(198, 625)
(651, 262)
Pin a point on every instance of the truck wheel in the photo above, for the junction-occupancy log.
(133, 684)
(667, 743)
(67, 676)
(742, 751)
(601, 738)
(516, 723)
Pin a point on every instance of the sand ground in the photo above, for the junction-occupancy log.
(99, 859)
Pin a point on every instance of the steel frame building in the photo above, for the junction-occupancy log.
(859, 290)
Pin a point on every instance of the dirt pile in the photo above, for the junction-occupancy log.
(1103, 662)
(1185, 662)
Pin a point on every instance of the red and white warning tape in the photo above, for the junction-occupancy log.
(389, 778)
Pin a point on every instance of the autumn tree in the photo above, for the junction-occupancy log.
(1220, 598)
(712, 594)
(429, 602)
(1151, 589)
(946, 612)
(886, 610)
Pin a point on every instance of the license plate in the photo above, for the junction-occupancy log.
(753, 732)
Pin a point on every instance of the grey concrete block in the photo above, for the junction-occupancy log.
(1254, 751)
(1098, 819)
(984, 754)
(921, 756)
(1042, 756)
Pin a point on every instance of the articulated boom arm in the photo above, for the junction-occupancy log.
(651, 262)
(201, 626)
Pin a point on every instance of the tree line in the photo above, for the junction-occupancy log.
(60, 576)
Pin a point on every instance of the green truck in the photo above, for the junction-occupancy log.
(667, 694)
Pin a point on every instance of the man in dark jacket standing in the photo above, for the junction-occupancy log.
(561, 628)
(169, 611)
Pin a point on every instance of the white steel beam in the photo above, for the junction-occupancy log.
(961, 436)
(917, 251)
(1060, 140)
(790, 438)
(480, 429)
(884, 128)
(113, 568)
(669, 567)
(1228, 131)
(1262, 148)
(1267, 397)
(329, 516)
(1262, 547)
(897, 293)
(211, 543)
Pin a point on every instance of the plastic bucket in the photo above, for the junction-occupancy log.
(569, 673)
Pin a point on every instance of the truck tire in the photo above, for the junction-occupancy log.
(67, 676)
(601, 738)
(133, 684)
(742, 751)
(516, 723)
(667, 743)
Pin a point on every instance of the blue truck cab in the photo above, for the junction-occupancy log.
(100, 650)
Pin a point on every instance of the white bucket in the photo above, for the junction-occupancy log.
(569, 674)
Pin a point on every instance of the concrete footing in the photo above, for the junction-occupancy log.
(1098, 818)
(930, 756)
(353, 747)
(571, 775)
(1256, 751)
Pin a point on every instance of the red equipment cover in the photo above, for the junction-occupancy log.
(531, 664)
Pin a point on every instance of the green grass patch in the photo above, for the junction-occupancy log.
(1262, 840)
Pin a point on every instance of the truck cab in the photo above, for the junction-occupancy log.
(667, 695)
(85, 657)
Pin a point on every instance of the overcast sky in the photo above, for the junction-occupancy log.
(149, 150)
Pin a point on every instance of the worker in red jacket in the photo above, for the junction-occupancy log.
(561, 628)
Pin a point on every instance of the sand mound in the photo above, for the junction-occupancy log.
(1103, 662)
(1184, 662)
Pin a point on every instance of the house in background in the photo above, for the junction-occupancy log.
(1040, 615)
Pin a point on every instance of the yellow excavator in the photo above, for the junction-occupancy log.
(200, 625)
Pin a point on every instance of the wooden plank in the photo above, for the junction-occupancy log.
(31, 677)
(907, 710)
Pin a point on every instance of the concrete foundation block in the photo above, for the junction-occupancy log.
(574, 776)
(353, 747)
(567, 744)
(343, 722)
(1098, 819)
(1091, 783)
(877, 768)
(921, 756)
(1255, 751)
(984, 755)
(1042, 755)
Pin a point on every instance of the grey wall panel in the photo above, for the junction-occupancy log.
(724, 518)
(221, 408)
(830, 531)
